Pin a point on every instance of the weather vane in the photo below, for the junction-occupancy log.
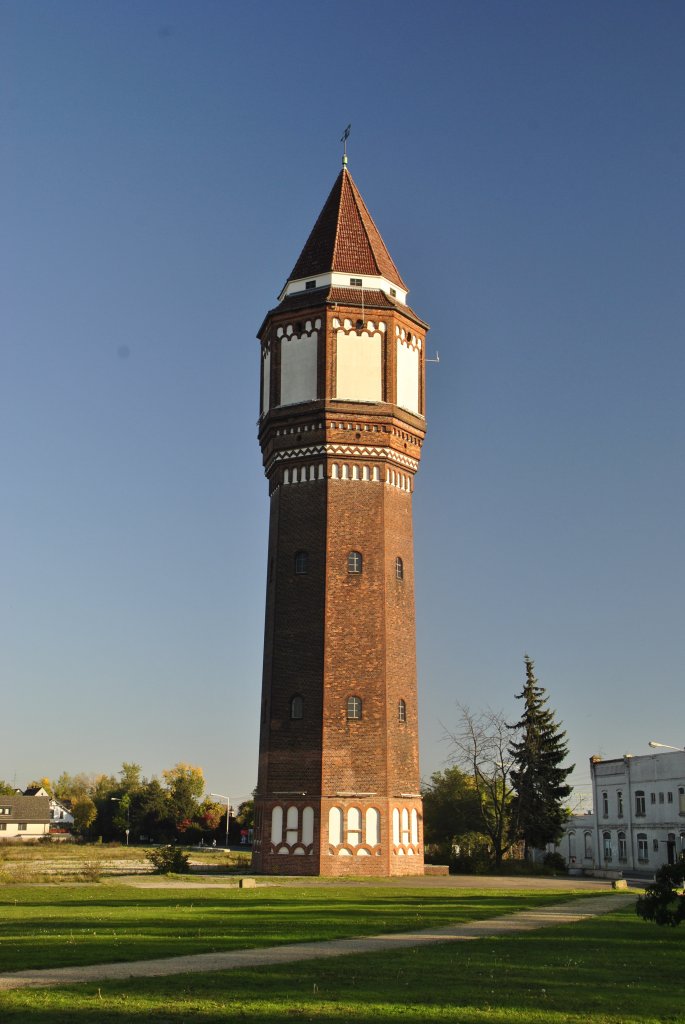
(345, 137)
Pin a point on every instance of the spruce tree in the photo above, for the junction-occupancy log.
(537, 775)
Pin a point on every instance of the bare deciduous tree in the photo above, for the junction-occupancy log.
(480, 747)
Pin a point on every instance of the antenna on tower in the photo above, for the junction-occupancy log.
(344, 138)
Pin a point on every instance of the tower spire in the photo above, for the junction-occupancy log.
(344, 138)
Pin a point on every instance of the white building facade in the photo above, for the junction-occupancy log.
(638, 823)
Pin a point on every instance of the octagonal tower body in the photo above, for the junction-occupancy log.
(341, 429)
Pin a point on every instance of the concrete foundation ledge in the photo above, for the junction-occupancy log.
(436, 869)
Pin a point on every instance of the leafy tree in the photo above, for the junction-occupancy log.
(245, 815)
(69, 786)
(480, 748)
(210, 814)
(152, 813)
(537, 775)
(131, 775)
(664, 901)
(451, 807)
(5, 788)
(85, 813)
(43, 783)
(185, 784)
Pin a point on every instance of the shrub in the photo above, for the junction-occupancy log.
(664, 901)
(555, 861)
(168, 859)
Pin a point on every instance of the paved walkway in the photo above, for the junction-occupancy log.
(509, 924)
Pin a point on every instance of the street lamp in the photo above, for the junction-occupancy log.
(228, 810)
(119, 800)
(666, 746)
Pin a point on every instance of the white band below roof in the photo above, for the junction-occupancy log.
(338, 280)
(350, 451)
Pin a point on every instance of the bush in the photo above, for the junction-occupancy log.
(664, 901)
(554, 861)
(168, 859)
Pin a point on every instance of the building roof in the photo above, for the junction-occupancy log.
(26, 808)
(345, 239)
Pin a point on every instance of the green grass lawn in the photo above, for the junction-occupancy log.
(611, 970)
(55, 926)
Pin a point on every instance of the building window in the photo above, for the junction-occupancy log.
(297, 706)
(622, 847)
(640, 807)
(588, 846)
(3, 826)
(399, 568)
(652, 798)
(642, 849)
(401, 711)
(310, 284)
(655, 845)
(605, 805)
(393, 292)
(571, 846)
(354, 562)
(619, 801)
(354, 708)
(355, 282)
(22, 827)
(606, 846)
(301, 563)
(681, 799)
(669, 798)
(661, 798)
(5, 810)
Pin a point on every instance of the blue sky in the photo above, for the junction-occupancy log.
(162, 165)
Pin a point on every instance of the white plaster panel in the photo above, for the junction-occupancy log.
(266, 362)
(298, 368)
(373, 826)
(276, 825)
(395, 826)
(359, 366)
(335, 821)
(308, 825)
(408, 377)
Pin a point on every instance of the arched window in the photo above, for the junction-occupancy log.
(642, 848)
(622, 847)
(354, 562)
(606, 845)
(572, 845)
(401, 711)
(301, 563)
(605, 805)
(297, 706)
(588, 846)
(399, 568)
(619, 801)
(354, 708)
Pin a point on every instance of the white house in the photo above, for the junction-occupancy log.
(24, 817)
(639, 815)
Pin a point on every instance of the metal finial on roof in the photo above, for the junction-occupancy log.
(344, 138)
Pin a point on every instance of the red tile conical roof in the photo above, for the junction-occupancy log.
(345, 239)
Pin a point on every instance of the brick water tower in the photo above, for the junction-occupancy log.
(341, 428)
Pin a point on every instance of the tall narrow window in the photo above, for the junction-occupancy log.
(354, 562)
(588, 846)
(622, 847)
(681, 799)
(301, 563)
(401, 711)
(354, 708)
(619, 801)
(399, 568)
(606, 844)
(297, 706)
(640, 807)
(605, 805)
(642, 848)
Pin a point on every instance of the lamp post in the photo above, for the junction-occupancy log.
(228, 811)
(666, 746)
(126, 801)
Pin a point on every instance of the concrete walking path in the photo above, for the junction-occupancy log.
(508, 924)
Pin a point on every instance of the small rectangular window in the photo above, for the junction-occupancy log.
(652, 798)
(655, 845)
(355, 282)
(310, 284)
(661, 798)
(670, 798)
(393, 292)
(22, 827)
(3, 826)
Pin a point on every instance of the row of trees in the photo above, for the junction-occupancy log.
(507, 784)
(173, 809)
